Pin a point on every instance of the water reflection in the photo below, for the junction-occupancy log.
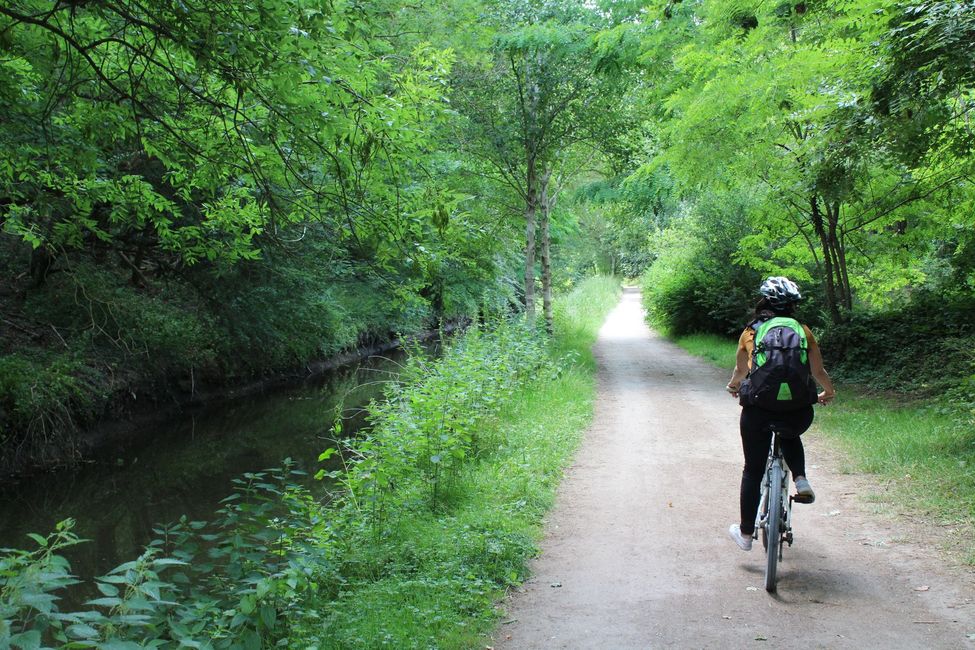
(185, 466)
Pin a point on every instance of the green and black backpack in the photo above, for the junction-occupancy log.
(780, 378)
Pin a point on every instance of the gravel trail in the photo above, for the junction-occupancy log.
(636, 554)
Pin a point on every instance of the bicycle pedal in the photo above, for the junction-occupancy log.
(803, 498)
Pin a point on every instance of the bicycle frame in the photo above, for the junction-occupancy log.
(774, 533)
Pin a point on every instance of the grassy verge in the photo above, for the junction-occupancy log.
(445, 569)
(718, 350)
(924, 455)
(922, 451)
(579, 315)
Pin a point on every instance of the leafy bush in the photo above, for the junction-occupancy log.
(42, 399)
(162, 329)
(924, 346)
(241, 581)
(425, 429)
(691, 288)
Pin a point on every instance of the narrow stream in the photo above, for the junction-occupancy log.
(185, 466)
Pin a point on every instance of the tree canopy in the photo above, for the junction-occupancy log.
(183, 180)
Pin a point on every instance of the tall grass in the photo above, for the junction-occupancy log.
(578, 315)
(923, 454)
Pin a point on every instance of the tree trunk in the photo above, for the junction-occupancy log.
(530, 205)
(842, 276)
(40, 264)
(545, 202)
(821, 232)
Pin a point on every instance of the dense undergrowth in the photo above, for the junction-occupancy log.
(89, 345)
(921, 448)
(431, 515)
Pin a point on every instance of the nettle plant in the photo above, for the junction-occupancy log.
(243, 580)
(428, 426)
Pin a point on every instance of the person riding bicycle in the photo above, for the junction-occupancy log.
(780, 296)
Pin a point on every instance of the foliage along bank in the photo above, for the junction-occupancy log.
(192, 196)
(432, 514)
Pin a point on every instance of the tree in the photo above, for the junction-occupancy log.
(188, 131)
(531, 108)
(776, 96)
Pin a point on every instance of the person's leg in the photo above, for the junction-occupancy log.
(795, 455)
(792, 449)
(755, 441)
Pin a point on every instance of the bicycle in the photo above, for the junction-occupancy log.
(774, 518)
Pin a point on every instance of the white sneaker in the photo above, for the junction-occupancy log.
(805, 490)
(744, 543)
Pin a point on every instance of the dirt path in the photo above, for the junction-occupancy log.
(636, 554)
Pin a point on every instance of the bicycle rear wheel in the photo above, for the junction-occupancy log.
(772, 531)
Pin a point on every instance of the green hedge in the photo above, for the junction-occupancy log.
(925, 346)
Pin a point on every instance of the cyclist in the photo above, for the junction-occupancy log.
(779, 298)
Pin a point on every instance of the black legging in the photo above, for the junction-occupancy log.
(756, 437)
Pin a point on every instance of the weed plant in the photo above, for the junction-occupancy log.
(434, 516)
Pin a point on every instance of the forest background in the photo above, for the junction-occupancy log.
(197, 195)
(194, 195)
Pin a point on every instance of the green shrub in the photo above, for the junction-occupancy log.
(161, 329)
(241, 581)
(426, 427)
(694, 285)
(43, 399)
(926, 346)
(687, 299)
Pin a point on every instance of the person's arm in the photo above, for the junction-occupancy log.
(819, 372)
(741, 367)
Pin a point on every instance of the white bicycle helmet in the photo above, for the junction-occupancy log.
(780, 291)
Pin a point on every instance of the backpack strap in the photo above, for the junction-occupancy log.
(755, 325)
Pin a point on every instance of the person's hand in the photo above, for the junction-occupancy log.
(733, 389)
(826, 397)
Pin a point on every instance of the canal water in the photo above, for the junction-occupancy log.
(184, 466)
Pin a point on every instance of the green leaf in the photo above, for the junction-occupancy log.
(107, 589)
(41, 541)
(82, 631)
(29, 640)
(110, 601)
